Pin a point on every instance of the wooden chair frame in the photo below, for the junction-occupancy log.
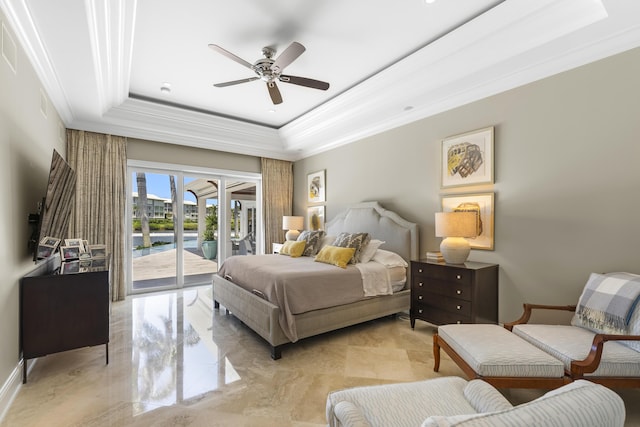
(578, 367)
(581, 367)
(498, 382)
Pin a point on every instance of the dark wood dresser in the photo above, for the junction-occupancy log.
(60, 312)
(454, 293)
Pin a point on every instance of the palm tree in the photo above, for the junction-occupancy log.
(141, 180)
(174, 204)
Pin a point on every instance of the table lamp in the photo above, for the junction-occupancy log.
(293, 224)
(454, 227)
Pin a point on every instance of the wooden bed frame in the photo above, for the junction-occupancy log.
(399, 235)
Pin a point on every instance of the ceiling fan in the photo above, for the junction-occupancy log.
(269, 70)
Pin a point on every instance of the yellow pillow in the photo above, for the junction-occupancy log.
(292, 248)
(335, 255)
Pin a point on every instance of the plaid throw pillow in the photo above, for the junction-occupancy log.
(353, 240)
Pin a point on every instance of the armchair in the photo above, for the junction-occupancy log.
(546, 337)
(602, 343)
(449, 401)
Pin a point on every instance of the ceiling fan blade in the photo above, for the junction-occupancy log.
(231, 56)
(289, 55)
(236, 82)
(274, 92)
(303, 81)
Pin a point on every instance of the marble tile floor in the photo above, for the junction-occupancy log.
(176, 362)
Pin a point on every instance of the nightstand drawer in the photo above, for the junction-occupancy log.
(444, 272)
(439, 317)
(453, 290)
(443, 303)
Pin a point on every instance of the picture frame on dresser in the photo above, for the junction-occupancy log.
(467, 159)
(316, 191)
(315, 218)
(483, 205)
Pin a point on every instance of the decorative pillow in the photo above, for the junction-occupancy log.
(335, 255)
(353, 240)
(292, 248)
(327, 240)
(389, 259)
(609, 304)
(313, 240)
(369, 251)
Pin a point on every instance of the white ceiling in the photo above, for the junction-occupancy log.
(103, 62)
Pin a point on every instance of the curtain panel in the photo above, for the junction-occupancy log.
(277, 198)
(100, 161)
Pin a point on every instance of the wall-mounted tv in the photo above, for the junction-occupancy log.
(55, 212)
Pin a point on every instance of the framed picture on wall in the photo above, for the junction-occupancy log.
(482, 205)
(467, 159)
(316, 187)
(315, 218)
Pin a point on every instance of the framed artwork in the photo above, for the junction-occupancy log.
(70, 267)
(482, 205)
(315, 218)
(467, 159)
(98, 251)
(47, 246)
(70, 252)
(316, 187)
(74, 242)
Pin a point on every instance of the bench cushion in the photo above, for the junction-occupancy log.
(567, 343)
(492, 351)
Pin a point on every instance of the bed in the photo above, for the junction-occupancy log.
(254, 309)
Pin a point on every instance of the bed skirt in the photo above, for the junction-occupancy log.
(262, 316)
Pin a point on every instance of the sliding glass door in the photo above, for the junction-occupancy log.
(184, 224)
(154, 231)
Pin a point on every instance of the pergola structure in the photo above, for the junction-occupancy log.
(241, 194)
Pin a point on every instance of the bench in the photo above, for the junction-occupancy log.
(501, 358)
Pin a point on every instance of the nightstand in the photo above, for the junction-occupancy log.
(275, 247)
(454, 293)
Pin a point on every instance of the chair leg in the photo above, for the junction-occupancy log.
(436, 353)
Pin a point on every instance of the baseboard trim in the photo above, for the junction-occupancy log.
(11, 387)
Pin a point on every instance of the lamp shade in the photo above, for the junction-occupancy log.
(293, 224)
(454, 227)
(456, 224)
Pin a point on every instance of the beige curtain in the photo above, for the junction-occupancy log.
(100, 163)
(277, 198)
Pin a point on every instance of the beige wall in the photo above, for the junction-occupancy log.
(567, 178)
(138, 149)
(27, 140)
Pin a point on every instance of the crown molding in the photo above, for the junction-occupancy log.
(19, 18)
(476, 60)
(413, 88)
(158, 122)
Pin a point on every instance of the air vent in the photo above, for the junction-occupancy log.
(9, 49)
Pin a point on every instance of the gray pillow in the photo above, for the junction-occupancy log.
(313, 239)
(353, 240)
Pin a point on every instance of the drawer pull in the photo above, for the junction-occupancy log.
(458, 322)
(420, 311)
(458, 307)
(458, 277)
(419, 270)
(420, 284)
(420, 297)
(458, 292)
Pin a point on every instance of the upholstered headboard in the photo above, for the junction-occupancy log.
(400, 236)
